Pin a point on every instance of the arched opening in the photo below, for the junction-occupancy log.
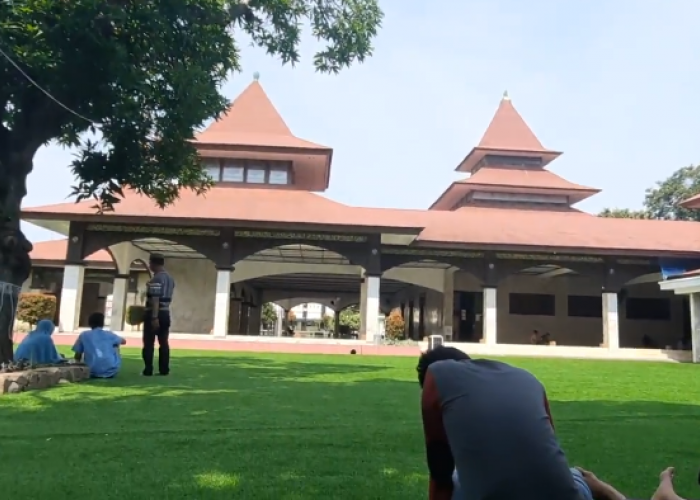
(194, 274)
(651, 318)
(427, 298)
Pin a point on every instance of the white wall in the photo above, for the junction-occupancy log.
(192, 309)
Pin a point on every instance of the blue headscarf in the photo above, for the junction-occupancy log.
(38, 347)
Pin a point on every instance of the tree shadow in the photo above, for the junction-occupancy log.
(290, 427)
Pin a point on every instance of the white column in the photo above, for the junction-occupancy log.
(363, 306)
(448, 302)
(280, 319)
(71, 298)
(611, 322)
(490, 316)
(222, 302)
(695, 325)
(370, 312)
(119, 292)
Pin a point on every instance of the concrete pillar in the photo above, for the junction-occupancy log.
(695, 325)
(448, 302)
(369, 309)
(120, 290)
(363, 302)
(71, 298)
(336, 324)
(279, 327)
(611, 322)
(490, 315)
(222, 302)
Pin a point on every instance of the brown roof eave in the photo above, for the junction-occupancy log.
(442, 196)
(263, 149)
(619, 252)
(548, 154)
(580, 193)
(216, 223)
(691, 203)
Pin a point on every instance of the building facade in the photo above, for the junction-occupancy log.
(500, 254)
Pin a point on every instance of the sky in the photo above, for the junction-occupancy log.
(612, 84)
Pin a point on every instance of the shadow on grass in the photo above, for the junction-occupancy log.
(290, 427)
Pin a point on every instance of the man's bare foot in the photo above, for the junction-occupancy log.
(600, 489)
(665, 490)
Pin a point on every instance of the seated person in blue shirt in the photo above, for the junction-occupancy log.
(38, 348)
(99, 348)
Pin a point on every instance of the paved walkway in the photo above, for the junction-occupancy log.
(258, 346)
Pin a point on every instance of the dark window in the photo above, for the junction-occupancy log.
(515, 161)
(531, 304)
(585, 306)
(649, 309)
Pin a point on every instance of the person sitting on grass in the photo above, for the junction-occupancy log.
(99, 348)
(490, 423)
(38, 348)
(604, 491)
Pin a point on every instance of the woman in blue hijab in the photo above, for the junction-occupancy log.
(38, 348)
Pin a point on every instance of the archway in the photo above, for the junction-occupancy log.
(194, 274)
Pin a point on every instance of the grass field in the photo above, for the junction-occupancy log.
(318, 427)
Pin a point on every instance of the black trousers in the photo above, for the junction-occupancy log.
(149, 341)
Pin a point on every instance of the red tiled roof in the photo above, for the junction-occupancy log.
(470, 226)
(243, 204)
(507, 134)
(534, 178)
(506, 227)
(532, 181)
(252, 120)
(692, 202)
(508, 131)
(55, 250)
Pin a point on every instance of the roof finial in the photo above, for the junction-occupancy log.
(256, 76)
(505, 96)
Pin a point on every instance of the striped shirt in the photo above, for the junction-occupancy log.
(161, 286)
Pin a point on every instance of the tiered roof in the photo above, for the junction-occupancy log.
(253, 129)
(252, 125)
(493, 164)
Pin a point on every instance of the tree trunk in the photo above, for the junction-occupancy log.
(15, 264)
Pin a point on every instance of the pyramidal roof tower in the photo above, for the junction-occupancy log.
(250, 143)
(507, 169)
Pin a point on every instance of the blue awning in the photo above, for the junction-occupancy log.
(674, 267)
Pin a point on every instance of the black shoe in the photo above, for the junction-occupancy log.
(161, 374)
(147, 373)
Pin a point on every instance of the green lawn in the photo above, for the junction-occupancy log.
(317, 428)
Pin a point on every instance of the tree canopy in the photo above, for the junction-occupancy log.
(127, 83)
(662, 201)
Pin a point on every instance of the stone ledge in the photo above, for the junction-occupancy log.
(42, 378)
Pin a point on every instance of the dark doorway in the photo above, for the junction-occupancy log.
(468, 307)
(687, 328)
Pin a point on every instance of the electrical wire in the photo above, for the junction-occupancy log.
(46, 92)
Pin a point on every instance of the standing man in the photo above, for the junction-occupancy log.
(157, 321)
(490, 422)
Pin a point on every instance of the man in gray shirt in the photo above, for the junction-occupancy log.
(491, 423)
(157, 321)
